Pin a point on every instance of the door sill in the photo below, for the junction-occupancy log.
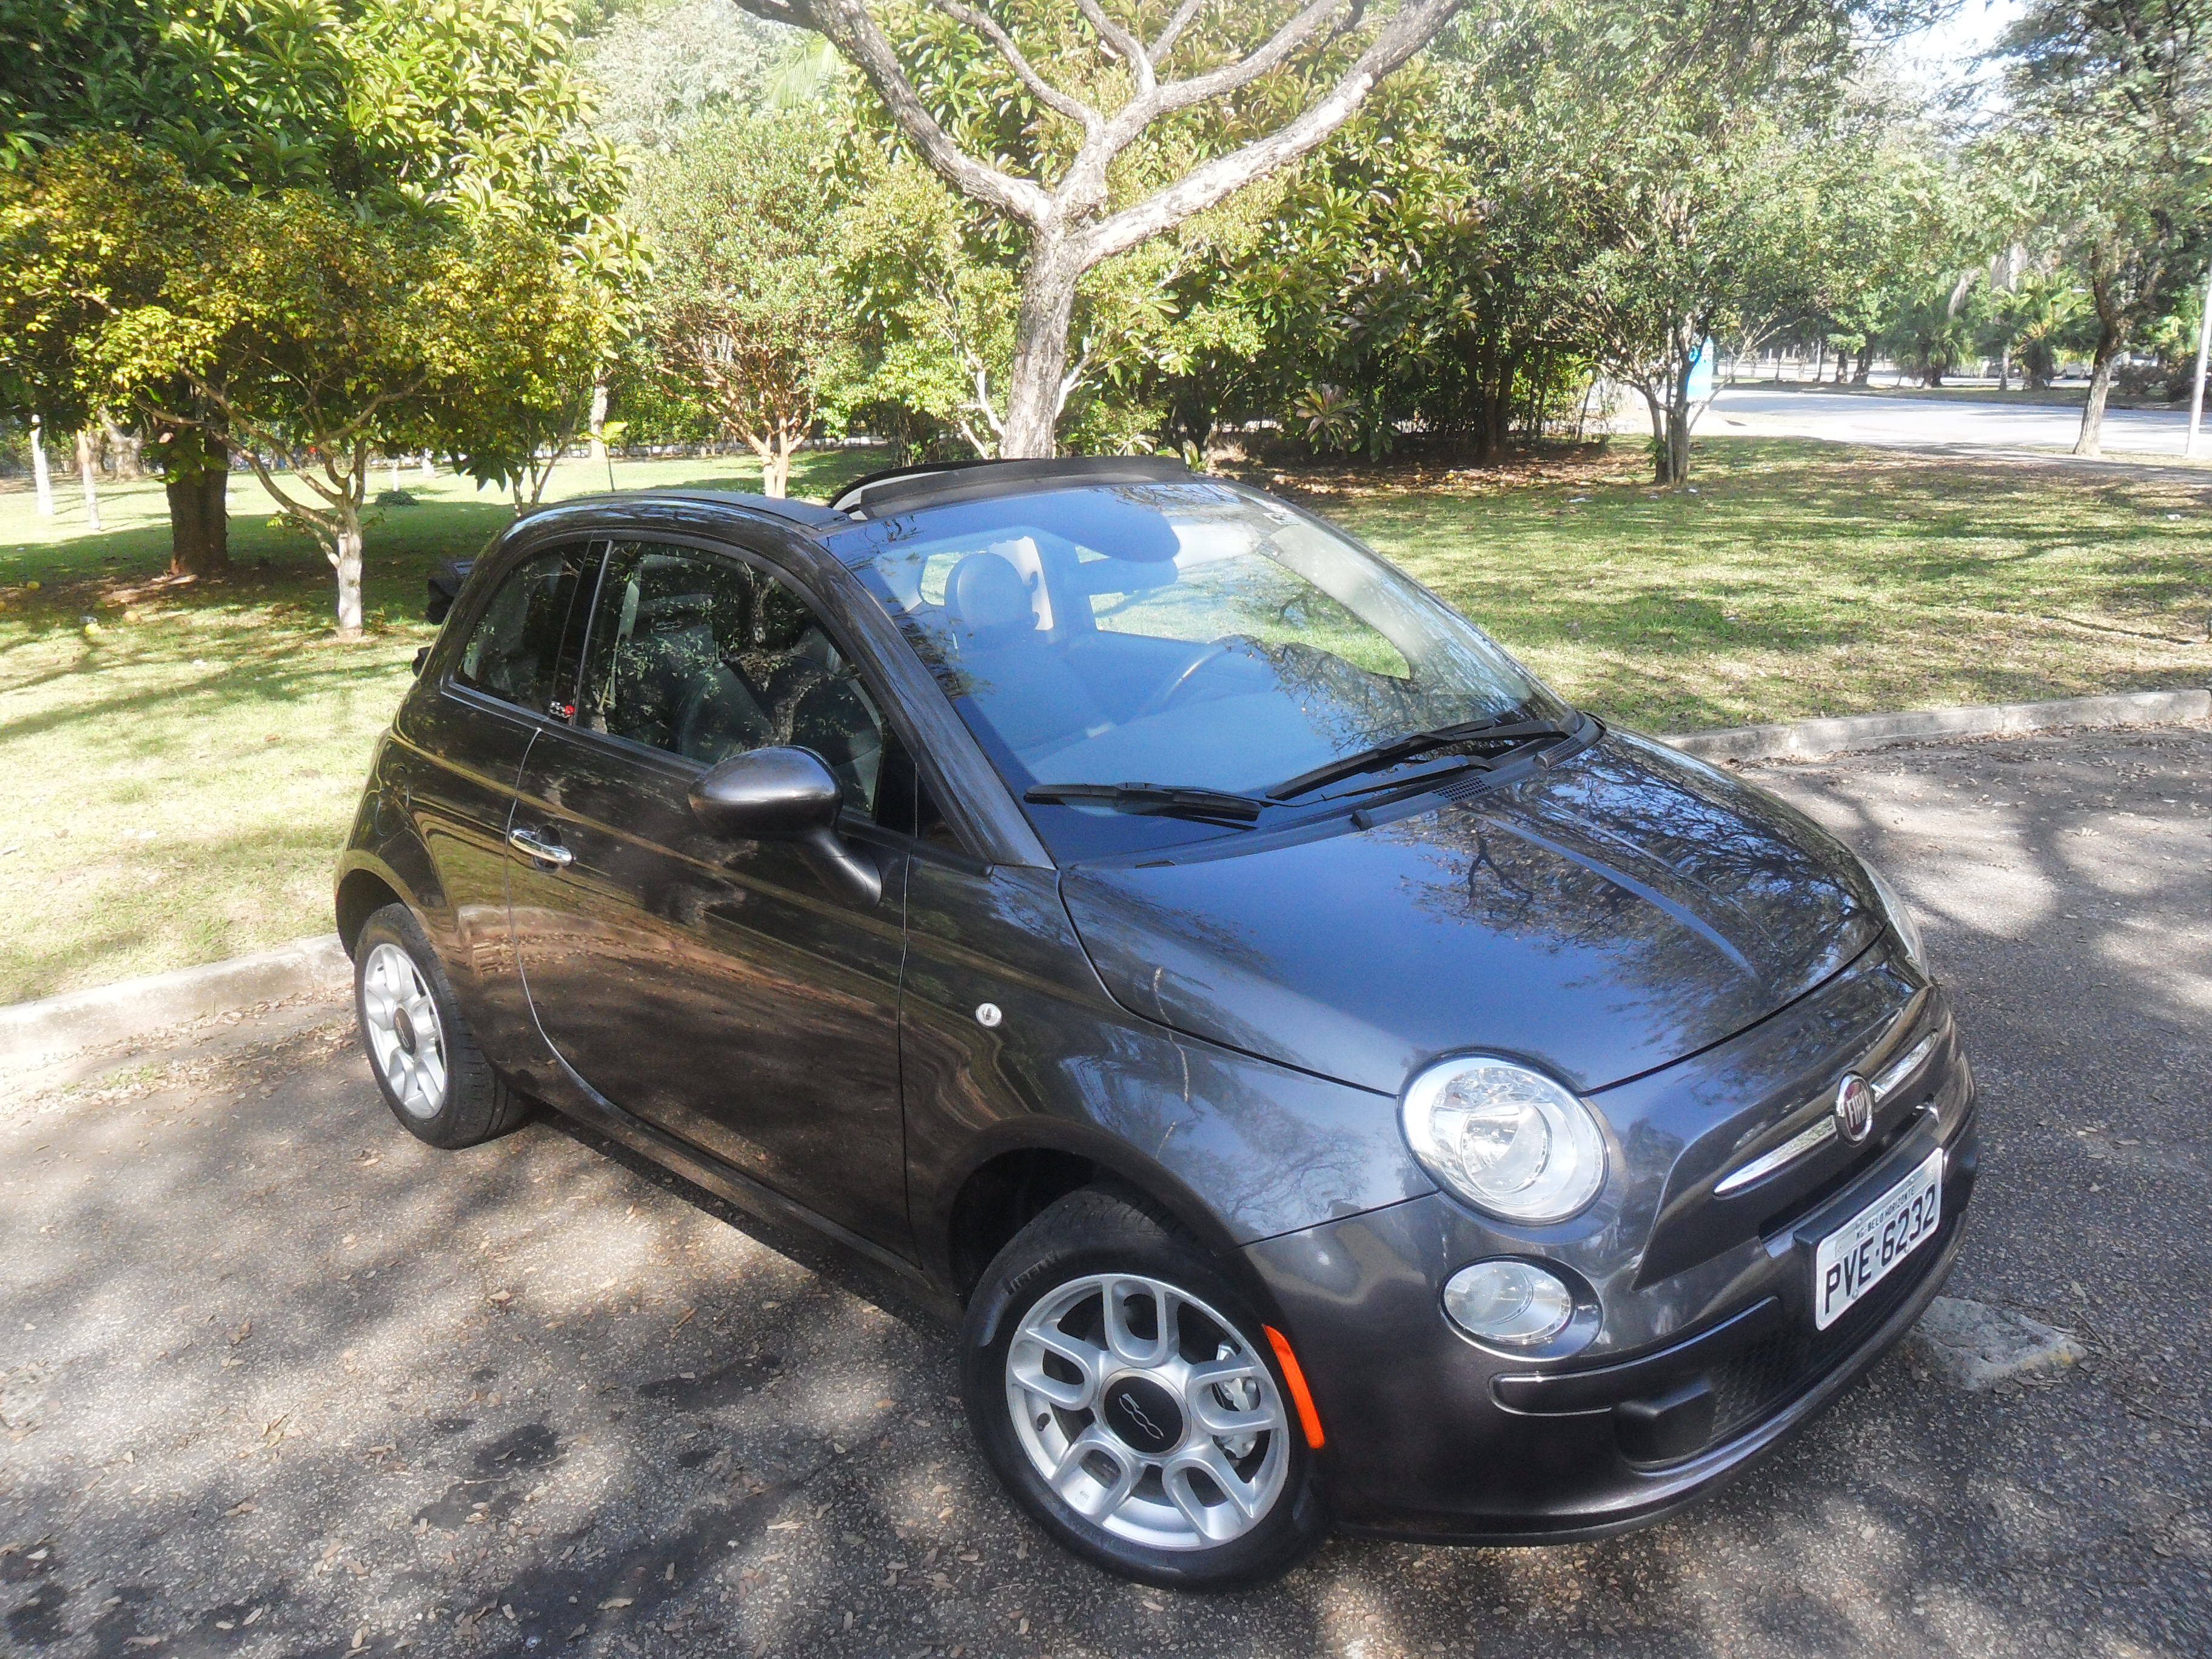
(756, 1198)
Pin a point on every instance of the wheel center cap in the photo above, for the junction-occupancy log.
(1143, 1413)
(404, 1029)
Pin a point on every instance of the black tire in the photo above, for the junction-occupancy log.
(470, 1102)
(1099, 1230)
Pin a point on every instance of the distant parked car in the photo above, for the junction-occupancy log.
(1331, 1078)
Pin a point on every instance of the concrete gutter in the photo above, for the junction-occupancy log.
(32, 1033)
(35, 1032)
(1830, 736)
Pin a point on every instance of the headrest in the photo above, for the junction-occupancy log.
(987, 596)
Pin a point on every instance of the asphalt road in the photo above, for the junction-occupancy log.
(276, 1379)
(1934, 422)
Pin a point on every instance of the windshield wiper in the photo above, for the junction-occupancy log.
(1164, 800)
(1515, 734)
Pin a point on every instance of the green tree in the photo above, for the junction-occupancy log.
(2106, 139)
(528, 394)
(391, 110)
(1932, 327)
(306, 335)
(1148, 119)
(745, 313)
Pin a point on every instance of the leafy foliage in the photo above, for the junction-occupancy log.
(746, 313)
(2106, 147)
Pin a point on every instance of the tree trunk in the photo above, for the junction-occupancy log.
(198, 487)
(41, 479)
(1033, 390)
(2004, 364)
(599, 423)
(1677, 435)
(775, 467)
(123, 445)
(87, 472)
(348, 562)
(2091, 443)
(1864, 367)
(1663, 451)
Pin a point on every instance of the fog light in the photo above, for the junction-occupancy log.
(1513, 1301)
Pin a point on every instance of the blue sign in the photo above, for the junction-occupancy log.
(1702, 361)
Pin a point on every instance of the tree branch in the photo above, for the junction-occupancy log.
(1123, 42)
(1073, 377)
(855, 33)
(983, 400)
(1043, 91)
(1163, 43)
(1230, 77)
(1406, 32)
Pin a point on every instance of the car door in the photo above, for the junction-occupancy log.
(460, 742)
(717, 989)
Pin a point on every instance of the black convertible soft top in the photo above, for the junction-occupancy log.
(902, 488)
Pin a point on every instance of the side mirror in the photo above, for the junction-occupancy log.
(784, 795)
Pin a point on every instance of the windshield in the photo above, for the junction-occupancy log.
(1192, 633)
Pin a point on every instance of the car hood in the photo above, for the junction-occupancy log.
(1626, 909)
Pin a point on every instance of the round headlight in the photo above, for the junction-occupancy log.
(1900, 918)
(1507, 1139)
(1513, 1301)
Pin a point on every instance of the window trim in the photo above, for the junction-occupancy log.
(871, 681)
(572, 639)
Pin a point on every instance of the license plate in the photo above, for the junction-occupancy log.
(1859, 1255)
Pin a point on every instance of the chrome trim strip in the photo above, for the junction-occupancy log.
(1767, 1163)
(1895, 1074)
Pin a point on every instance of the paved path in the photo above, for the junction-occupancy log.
(275, 1380)
(1925, 422)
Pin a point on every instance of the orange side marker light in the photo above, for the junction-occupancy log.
(1301, 1395)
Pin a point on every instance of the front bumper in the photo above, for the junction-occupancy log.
(1430, 1436)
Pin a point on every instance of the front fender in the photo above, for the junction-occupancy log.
(1238, 1148)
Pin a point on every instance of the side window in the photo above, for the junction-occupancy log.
(704, 658)
(515, 652)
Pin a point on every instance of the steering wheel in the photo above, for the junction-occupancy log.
(1159, 701)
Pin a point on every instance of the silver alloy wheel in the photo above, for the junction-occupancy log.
(406, 1042)
(1136, 1435)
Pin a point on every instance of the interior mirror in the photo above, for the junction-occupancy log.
(784, 795)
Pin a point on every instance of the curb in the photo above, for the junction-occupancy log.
(1829, 736)
(34, 1031)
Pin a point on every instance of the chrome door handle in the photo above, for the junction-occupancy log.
(545, 852)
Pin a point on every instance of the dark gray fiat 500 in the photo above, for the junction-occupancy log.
(1331, 1079)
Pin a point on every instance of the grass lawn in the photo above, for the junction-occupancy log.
(178, 770)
